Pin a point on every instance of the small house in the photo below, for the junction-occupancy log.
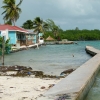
(18, 36)
(34, 37)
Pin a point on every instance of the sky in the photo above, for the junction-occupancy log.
(68, 14)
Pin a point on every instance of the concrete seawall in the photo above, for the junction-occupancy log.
(76, 85)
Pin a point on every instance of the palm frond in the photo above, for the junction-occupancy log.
(19, 3)
(12, 10)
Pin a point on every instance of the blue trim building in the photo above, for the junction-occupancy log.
(19, 36)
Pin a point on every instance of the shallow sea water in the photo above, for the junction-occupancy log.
(94, 93)
(52, 59)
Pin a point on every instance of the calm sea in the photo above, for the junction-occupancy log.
(52, 59)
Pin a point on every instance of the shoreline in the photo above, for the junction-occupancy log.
(16, 85)
(24, 88)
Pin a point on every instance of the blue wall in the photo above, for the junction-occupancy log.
(34, 40)
(12, 36)
(40, 34)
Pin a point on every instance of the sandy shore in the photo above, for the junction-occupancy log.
(24, 88)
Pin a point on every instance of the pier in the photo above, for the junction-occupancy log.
(77, 84)
(59, 42)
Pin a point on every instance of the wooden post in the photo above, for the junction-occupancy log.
(3, 50)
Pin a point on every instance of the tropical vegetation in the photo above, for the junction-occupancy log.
(39, 25)
(50, 28)
(53, 27)
(11, 11)
(28, 24)
(7, 46)
(77, 35)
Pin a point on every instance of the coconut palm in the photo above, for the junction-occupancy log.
(53, 27)
(39, 26)
(9, 22)
(11, 10)
(28, 24)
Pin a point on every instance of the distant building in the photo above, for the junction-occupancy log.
(50, 39)
(16, 34)
(30, 37)
(41, 39)
(37, 39)
(19, 36)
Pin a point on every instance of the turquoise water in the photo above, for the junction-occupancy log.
(94, 93)
(52, 59)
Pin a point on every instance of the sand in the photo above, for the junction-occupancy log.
(24, 88)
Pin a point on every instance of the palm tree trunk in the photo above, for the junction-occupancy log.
(14, 22)
(3, 50)
(37, 39)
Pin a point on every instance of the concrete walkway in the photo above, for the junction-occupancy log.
(15, 49)
(76, 85)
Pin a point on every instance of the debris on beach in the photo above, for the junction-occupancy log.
(67, 72)
(43, 87)
(22, 71)
(63, 97)
(18, 84)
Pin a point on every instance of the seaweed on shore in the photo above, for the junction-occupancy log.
(22, 71)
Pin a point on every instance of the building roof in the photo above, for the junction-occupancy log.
(31, 31)
(13, 28)
(50, 39)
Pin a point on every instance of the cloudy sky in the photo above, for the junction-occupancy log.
(68, 14)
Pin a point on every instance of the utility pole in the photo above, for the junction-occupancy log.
(3, 50)
(4, 35)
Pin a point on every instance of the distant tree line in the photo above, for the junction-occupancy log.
(50, 28)
(80, 35)
(76, 35)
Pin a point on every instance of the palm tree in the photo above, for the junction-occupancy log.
(11, 10)
(39, 26)
(28, 24)
(9, 22)
(53, 27)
